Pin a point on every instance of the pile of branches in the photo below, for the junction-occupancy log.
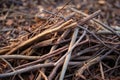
(68, 44)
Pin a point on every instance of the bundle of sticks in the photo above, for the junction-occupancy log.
(63, 47)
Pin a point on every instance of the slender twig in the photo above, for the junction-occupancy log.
(92, 48)
(95, 36)
(37, 37)
(97, 21)
(8, 64)
(107, 32)
(101, 70)
(54, 14)
(87, 65)
(74, 37)
(52, 49)
(83, 21)
(52, 74)
(3, 51)
(117, 61)
(62, 37)
(109, 70)
(44, 43)
(44, 57)
(12, 68)
(107, 53)
(45, 77)
(20, 57)
(71, 48)
(30, 68)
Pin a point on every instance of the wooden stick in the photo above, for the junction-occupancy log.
(30, 68)
(37, 37)
(20, 57)
(87, 65)
(97, 21)
(74, 37)
(101, 70)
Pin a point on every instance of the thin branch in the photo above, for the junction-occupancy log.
(12, 68)
(30, 68)
(44, 76)
(95, 36)
(37, 37)
(87, 65)
(101, 70)
(20, 57)
(74, 37)
(44, 57)
(83, 21)
(97, 21)
(71, 48)
(54, 71)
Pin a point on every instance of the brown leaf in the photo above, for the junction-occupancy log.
(9, 22)
(102, 2)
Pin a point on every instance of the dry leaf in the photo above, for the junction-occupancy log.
(102, 2)
(9, 22)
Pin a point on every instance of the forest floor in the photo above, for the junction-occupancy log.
(59, 40)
